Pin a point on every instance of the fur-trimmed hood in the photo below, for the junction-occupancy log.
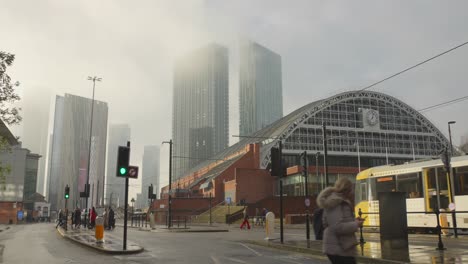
(328, 198)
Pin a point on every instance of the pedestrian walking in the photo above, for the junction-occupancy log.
(92, 217)
(111, 219)
(77, 217)
(339, 240)
(246, 219)
(59, 220)
(73, 219)
(106, 218)
(317, 223)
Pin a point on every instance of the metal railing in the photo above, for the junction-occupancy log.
(139, 220)
(438, 227)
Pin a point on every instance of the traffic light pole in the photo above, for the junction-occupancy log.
(281, 189)
(306, 175)
(125, 210)
(325, 153)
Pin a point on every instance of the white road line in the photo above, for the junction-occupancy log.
(215, 260)
(253, 250)
(236, 260)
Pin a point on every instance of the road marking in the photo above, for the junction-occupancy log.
(236, 260)
(253, 250)
(215, 260)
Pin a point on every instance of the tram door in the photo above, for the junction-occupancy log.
(436, 179)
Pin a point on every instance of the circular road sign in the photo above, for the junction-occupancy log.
(132, 172)
(452, 206)
(307, 202)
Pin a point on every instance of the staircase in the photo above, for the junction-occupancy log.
(218, 214)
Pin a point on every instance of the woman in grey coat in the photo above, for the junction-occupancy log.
(339, 240)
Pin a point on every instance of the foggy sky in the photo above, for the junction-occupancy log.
(326, 47)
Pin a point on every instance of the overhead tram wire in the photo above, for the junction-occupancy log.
(432, 107)
(412, 67)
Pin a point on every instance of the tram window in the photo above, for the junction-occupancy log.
(410, 184)
(361, 191)
(461, 181)
(442, 176)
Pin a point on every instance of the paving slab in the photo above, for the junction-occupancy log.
(110, 244)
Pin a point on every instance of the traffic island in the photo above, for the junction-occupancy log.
(110, 244)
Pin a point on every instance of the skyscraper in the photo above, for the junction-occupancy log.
(200, 121)
(150, 172)
(119, 134)
(260, 92)
(70, 150)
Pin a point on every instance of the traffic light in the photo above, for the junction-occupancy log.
(275, 162)
(123, 158)
(67, 192)
(150, 192)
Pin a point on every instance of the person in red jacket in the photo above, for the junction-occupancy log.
(92, 217)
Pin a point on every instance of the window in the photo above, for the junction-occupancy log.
(411, 184)
(461, 181)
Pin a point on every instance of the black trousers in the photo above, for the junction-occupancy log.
(335, 259)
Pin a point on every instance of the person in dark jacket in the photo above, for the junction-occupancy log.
(339, 240)
(77, 217)
(317, 223)
(111, 219)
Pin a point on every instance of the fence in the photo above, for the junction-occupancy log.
(139, 220)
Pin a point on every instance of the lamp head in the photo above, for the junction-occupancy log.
(452, 122)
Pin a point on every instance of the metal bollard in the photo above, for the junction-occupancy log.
(178, 222)
(99, 231)
(361, 238)
(185, 222)
(440, 245)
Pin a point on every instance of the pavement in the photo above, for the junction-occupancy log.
(110, 244)
(421, 249)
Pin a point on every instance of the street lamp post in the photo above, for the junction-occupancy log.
(452, 182)
(325, 153)
(94, 79)
(133, 208)
(169, 214)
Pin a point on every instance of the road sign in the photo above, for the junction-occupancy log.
(307, 202)
(133, 172)
(228, 200)
(452, 206)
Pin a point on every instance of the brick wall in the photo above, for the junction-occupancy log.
(8, 213)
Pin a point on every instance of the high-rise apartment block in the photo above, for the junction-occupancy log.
(200, 121)
(260, 92)
(70, 150)
(119, 134)
(150, 172)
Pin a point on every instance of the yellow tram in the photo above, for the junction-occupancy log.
(418, 180)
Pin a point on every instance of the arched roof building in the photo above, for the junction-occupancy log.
(363, 128)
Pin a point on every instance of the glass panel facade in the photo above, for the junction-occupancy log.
(260, 92)
(200, 120)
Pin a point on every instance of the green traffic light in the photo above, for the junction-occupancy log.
(66, 196)
(123, 171)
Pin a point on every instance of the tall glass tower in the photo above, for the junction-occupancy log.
(200, 120)
(260, 92)
(150, 173)
(119, 134)
(70, 150)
